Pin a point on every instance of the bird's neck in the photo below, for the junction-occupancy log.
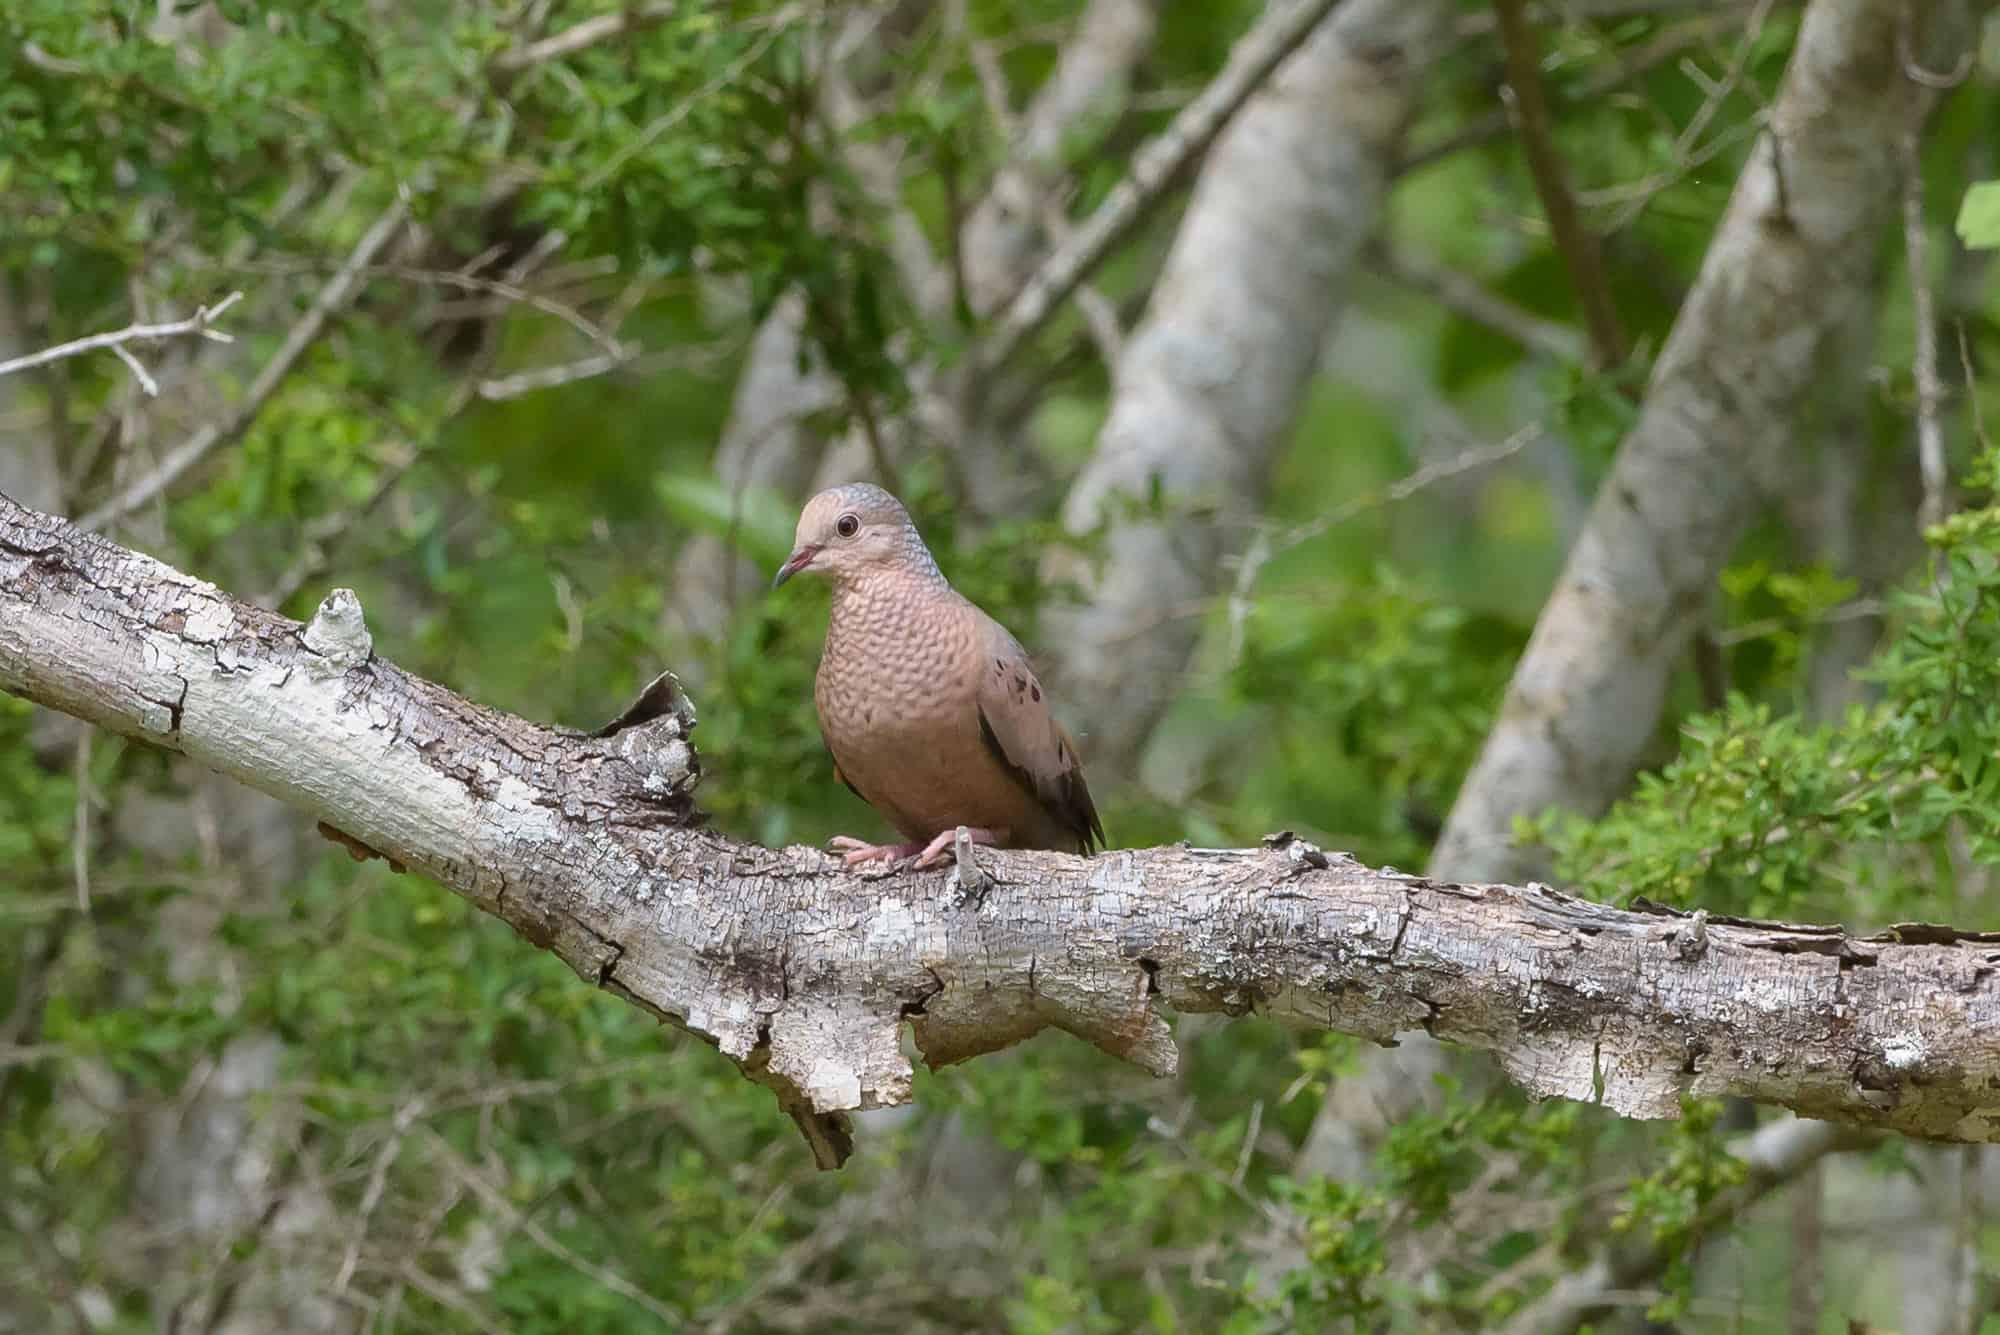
(883, 600)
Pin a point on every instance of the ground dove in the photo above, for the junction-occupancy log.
(931, 709)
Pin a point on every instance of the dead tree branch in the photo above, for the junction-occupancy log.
(805, 973)
(199, 325)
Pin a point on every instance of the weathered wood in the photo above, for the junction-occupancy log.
(805, 974)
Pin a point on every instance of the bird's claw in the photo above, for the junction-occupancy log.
(934, 852)
(855, 852)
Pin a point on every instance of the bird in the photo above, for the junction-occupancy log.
(930, 708)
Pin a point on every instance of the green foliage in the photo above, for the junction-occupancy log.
(1979, 216)
(502, 1137)
(1344, 1253)
(1379, 693)
(1671, 1204)
(1882, 812)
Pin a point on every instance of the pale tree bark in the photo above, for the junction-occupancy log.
(1006, 235)
(1790, 274)
(1791, 263)
(1791, 266)
(805, 972)
(773, 439)
(1210, 382)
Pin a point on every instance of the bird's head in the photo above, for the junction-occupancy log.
(848, 532)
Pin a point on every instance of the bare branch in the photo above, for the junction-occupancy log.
(1465, 297)
(581, 37)
(1092, 77)
(335, 295)
(198, 325)
(1576, 243)
(805, 972)
(1154, 168)
(1643, 59)
(1264, 546)
(549, 377)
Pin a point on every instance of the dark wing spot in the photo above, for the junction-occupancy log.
(1035, 691)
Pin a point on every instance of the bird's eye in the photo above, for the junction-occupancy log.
(847, 526)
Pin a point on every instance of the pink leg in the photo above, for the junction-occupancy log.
(853, 852)
(938, 849)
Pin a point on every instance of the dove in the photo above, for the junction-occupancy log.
(931, 710)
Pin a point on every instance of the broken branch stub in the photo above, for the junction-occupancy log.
(805, 972)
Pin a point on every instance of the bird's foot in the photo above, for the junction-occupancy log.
(853, 852)
(936, 850)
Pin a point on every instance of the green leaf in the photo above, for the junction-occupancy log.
(1979, 216)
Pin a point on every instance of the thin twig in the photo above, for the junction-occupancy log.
(1972, 392)
(371, 1196)
(1263, 546)
(198, 325)
(1684, 153)
(1468, 298)
(580, 37)
(659, 125)
(496, 1201)
(1154, 167)
(1594, 11)
(1640, 61)
(1924, 358)
(80, 837)
(1574, 242)
(338, 291)
(548, 377)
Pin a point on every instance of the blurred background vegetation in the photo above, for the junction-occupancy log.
(247, 1084)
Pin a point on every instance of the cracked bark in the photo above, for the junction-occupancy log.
(805, 973)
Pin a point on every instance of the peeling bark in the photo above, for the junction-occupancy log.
(805, 973)
(1211, 380)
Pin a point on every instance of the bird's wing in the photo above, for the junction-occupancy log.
(1015, 721)
(836, 770)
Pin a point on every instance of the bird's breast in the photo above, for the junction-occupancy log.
(898, 705)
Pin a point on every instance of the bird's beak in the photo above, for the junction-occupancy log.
(799, 559)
